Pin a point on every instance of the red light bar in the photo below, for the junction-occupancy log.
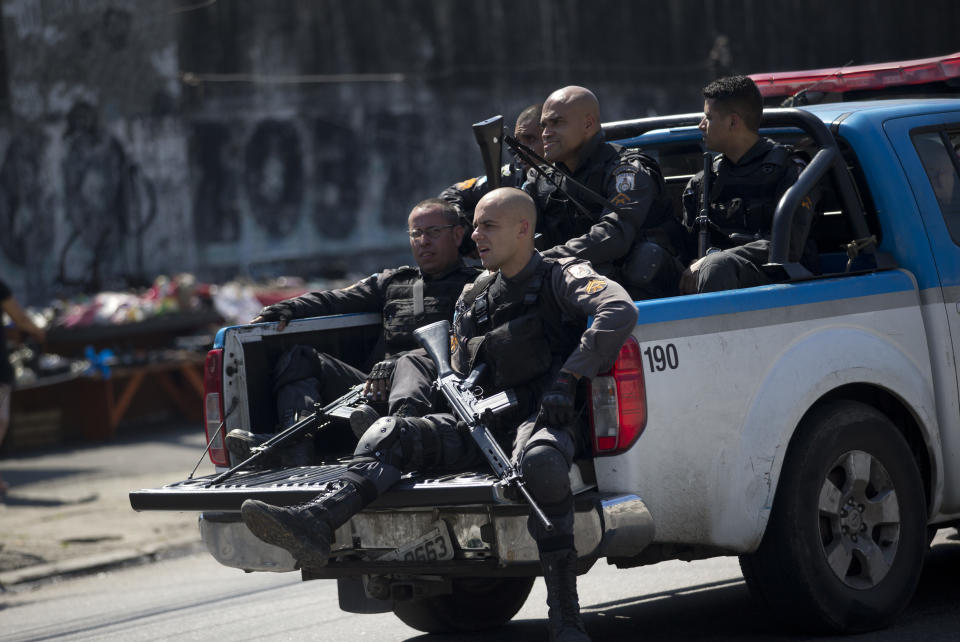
(876, 76)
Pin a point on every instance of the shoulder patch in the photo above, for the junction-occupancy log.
(625, 177)
(581, 271)
(596, 285)
(467, 184)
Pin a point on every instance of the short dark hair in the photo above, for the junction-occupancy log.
(449, 210)
(738, 95)
(531, 112)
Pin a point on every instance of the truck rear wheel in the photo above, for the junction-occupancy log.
(477, 603)
(845, 544)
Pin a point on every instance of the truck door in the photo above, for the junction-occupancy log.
(928, 148)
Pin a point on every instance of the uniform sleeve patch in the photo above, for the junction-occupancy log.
(581, 271)
(596, 285)
(467, 184)
(620, 199)
(625, 181)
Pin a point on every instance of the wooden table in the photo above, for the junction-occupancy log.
(93, 407)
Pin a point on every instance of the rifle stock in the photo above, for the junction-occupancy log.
(489, 135)
(435, 339)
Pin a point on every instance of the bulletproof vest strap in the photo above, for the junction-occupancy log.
(480, 286)
(418, 297)
(531, 294)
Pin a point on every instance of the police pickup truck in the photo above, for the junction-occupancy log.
(810, 427)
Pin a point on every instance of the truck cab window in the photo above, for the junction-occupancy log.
(939, 158)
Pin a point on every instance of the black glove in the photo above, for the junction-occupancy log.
(275, 312)
(556, 408)
(378, 381)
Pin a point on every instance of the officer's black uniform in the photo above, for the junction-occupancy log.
(466, 194)
(637, 244)
(404, 297)
(525, 329)
(743, 198)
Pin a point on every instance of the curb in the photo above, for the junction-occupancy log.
(98, 563)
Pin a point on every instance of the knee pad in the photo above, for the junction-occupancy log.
(650, 267)
(381, 441)
(547, 475)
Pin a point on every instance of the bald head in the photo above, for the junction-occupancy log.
(512, 202)
(571, 117)
(504, 224)
(577, 98)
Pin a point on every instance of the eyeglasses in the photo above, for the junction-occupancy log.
(432, 232)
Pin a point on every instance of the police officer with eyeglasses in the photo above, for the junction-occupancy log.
(407, 297)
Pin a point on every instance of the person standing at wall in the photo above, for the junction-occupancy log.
(20, 319)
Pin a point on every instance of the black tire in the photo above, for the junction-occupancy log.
(847, 536)
(477, 603)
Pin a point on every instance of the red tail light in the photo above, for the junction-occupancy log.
(618, 403)
(213, 407)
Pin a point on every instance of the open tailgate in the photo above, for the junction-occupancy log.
(295, 485)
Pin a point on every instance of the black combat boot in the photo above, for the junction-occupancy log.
(241, 444)
(560, 576)
(306, 530)
(362, 418)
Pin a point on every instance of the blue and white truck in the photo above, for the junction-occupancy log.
(810, 427)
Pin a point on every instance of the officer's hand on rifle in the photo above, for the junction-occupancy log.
(279, 313)
(377, 386)
(557, 406)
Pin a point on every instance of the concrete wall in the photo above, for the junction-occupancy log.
(242, 137)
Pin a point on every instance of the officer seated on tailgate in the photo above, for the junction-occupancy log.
(749, 175)
(618, 216)
(526, 319)
(406, 297)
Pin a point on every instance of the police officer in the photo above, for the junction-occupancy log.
(749, 176)
(407, 297)
(466, 194)
(526, 318)
(625, 225)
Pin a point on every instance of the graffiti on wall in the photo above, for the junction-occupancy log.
(109, 205)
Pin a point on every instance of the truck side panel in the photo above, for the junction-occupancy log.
(761, 357)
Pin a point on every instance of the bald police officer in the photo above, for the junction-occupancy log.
(406, 297)
(526, 318)
(626, 228)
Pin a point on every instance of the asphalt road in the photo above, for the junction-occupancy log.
(193, 598)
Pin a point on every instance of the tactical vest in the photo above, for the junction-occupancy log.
(411, 302)
(522, 342)
(561, 220)
(744, 199)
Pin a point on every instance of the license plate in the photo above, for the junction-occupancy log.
(434, 545)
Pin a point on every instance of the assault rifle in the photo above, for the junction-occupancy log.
(340, 407)
(703, 220)
(435, 339)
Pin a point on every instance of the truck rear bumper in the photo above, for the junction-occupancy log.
(488, 539)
